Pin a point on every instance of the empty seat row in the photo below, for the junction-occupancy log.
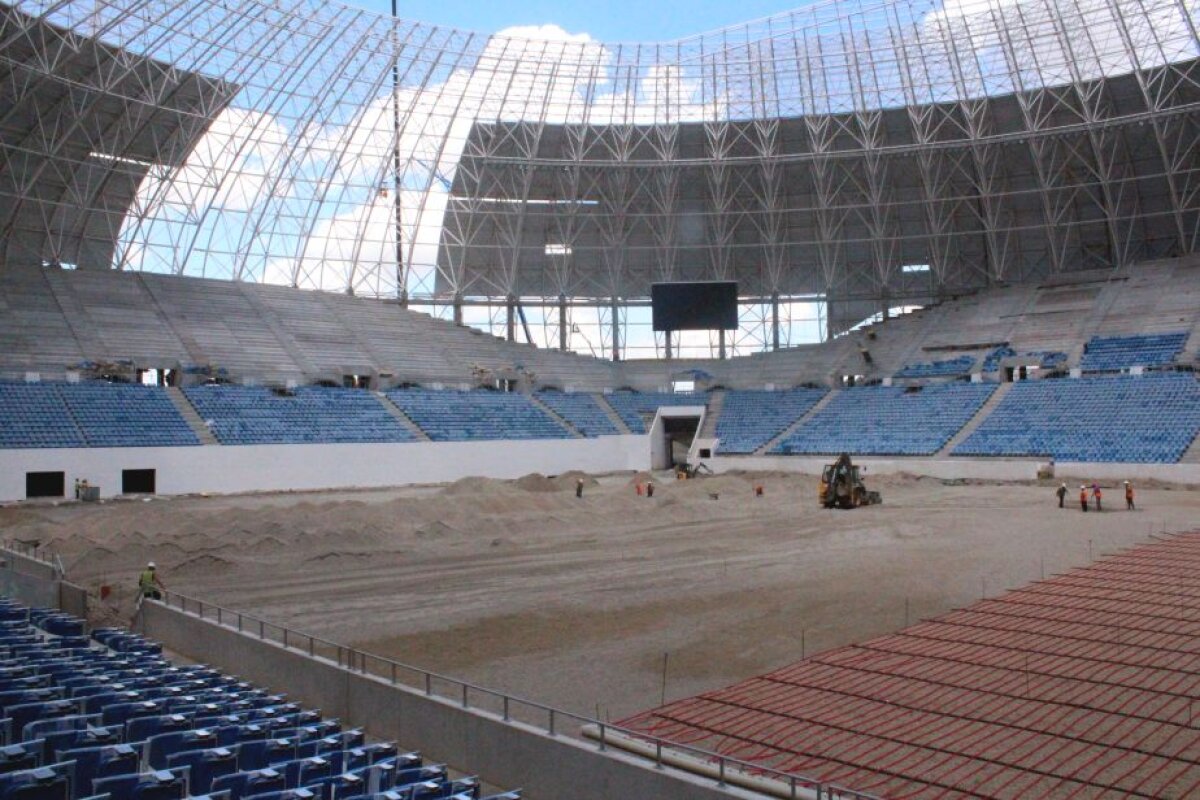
(749, 418)
(93, 414)
(313, 414)
(637, 408)
(108, 716)
(451, 415)
(938, 369)
(1111, 353)
(582, 410)
(888, 420)
(1152, 418)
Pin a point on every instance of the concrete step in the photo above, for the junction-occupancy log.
(561, 420)
(602, 401)
(983, 413)
(786, 432)
(716, 402)
(191, 416)
(401, 417)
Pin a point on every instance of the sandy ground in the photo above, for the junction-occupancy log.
(577, 603)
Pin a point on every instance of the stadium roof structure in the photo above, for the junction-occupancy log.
(870, 153)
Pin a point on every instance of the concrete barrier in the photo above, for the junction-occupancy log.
(504, 753)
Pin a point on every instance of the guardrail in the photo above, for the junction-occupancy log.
(35, 552)
(550, 720)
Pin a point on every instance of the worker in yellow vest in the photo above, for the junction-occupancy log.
(149, 583)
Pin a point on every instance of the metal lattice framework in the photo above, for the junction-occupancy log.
(816, 153)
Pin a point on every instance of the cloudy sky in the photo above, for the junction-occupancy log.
(604, 20)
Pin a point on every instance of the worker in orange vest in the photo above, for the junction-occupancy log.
(1096, 495)
(1129, 497)
(1083, 498)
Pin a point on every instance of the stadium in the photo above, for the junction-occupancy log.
(393, 411)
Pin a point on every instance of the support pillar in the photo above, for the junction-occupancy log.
(458, 309)
(564, 337)
(721, 344)
(775, 320)
(616, 330)
(668, 341)
(510, 322)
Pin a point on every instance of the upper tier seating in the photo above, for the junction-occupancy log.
(109, 716)
(255, 415)
(749, 419)
(888, 420)
(90, 415)
(581, 410)
(634, 408)
(1149, 418)
(1111, 353)
(452, 416)
(938, 369)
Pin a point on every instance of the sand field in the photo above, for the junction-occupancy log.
(522, 587)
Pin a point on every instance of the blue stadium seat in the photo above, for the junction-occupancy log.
(256, 415)
(1114, 353)
(581, 410)
(1152, 418)
(750, 419)
(888, 420)
(952, 367)
(453, 416)
(636, 408)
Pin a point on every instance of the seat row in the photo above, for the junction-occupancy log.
(107, 716)
(36, 415)
(1111, 353)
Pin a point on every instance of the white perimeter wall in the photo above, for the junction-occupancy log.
(259, 468)
(951, 468)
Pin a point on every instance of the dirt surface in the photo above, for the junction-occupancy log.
(520, 586)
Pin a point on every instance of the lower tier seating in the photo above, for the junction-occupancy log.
(313, 414)
(581, 410)
(90, 415)
(635, 408)
(749, 418)
(108, 716)
(448, 415)
(938, 369)
(888, 420)
(1151, 418)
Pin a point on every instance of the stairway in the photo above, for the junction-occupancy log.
(554, 415)
(716, 402)
(404, 420)
(983, 413)
(191, 416)
(805, 417)
(602, 401)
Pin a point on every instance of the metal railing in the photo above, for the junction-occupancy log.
(548, 720)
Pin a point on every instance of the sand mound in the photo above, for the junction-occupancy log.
(435, 530)
(476, 486)
(537, 482)
(202, 565)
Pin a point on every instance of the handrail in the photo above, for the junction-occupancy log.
(728, 770)
(35, 552)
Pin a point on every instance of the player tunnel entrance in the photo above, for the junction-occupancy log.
(673, 435)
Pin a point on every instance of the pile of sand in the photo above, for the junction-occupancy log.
(537, 482)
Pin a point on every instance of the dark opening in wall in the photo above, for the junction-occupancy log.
(45, 484)
(137, 481)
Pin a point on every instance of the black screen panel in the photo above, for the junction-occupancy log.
(694, 306)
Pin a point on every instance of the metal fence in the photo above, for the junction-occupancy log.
(548, 720)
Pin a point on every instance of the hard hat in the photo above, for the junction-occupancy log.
(150, 565)
(1126, 483)
(1064, 484)
(1082, 487)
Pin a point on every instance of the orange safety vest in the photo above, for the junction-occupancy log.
(1083, 495)
(1128, 492)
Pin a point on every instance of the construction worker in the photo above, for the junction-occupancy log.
(1083, 498)
(649, 488)
(579, 488)
(1129, 497)
(758, 490)
(149, 583)
(1062, 495)
(1096, 495)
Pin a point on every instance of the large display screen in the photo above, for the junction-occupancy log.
(694, 306)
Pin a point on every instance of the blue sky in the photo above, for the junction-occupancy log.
(605, 20)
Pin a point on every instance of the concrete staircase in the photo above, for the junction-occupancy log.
(716, 402)
(805, 417)
(983, 413)
(560, 419)
(602, 401)
(401, 417)
(191, 416)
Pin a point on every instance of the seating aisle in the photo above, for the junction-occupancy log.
(751, 418)
(108, 716)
